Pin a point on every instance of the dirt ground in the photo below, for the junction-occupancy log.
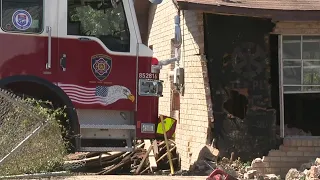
(132, 178)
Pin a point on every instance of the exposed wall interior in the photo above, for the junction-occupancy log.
(243, 82)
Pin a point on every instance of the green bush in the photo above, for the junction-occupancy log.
(45, 151)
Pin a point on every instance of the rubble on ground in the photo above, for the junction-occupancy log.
(149, 157)
(240, 170)
(236, 169)
(307, 171)
(209, 163)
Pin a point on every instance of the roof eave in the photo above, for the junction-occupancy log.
(274, 14)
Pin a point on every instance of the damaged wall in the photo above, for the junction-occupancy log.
(239, 70)
(195, 105)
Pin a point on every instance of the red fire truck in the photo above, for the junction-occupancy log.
(86, 55)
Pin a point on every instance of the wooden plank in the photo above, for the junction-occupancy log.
(155, 148)
(152, 159)
(103, 157)
(143, 160)
(162, 157)
(166, 154)
(147, 143)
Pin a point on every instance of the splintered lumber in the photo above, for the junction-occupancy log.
(93, 154)
(108, 162)
(155, 148)
(159, 159)
(104, 157)
(93, 162)
(172, 142)
(151, 157)
(164, 155)
(143, 160)
(126, 159)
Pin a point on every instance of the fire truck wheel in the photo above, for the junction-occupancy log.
(46, 91)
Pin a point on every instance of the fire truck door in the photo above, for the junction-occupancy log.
(98, 55)
(27, 38)
(51, 32)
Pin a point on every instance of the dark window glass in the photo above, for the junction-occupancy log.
(291, 51)
(311, 50)
(105, 20)
(292, 75)
(22, 16)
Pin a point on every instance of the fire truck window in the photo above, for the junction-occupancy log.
(104, 19)
(23, 16)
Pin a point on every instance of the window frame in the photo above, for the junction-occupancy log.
(126, 27)
(23, 32)
(301, 86)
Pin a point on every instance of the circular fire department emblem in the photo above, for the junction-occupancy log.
(101, 66)
(22, 20)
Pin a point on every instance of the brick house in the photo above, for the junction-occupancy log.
(253, 63)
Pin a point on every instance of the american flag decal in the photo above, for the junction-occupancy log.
(103, 95)
(101, 91)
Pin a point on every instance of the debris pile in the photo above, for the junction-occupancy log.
(214, 167)
(236, 170)
(306, 171)
(208, 162)
(147, 158)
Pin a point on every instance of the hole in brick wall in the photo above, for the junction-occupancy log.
(233, 74)
(236, 105)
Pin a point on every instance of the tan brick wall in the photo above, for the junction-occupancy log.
(161, 27)
(292, 154)
(195, 105)
(297, 28)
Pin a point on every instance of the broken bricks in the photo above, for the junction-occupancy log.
(250, 174)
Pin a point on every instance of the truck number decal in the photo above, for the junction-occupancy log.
(148, 76)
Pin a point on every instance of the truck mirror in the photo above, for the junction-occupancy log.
(177, 33)
(156, 1)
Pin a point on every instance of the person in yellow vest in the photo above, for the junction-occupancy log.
(170, 127)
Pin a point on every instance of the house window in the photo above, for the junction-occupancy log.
(22, 16)
(105, 20)
(301, 63)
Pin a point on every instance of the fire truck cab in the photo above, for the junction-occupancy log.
(86, 55)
